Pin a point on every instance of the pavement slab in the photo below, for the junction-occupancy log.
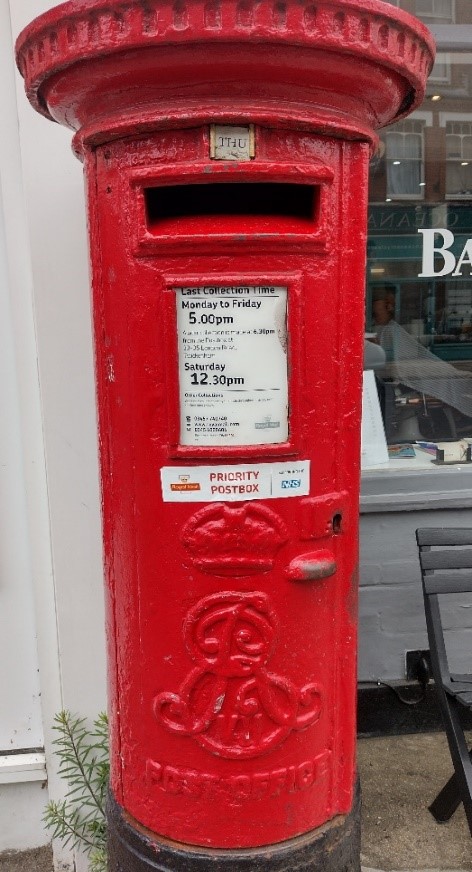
(400, 776)
(36, 860)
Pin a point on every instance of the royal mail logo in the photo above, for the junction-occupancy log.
(184, 484)
(267, 424)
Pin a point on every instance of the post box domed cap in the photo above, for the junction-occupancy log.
(107, 68)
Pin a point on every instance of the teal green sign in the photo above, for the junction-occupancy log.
(386, 219)
(393, 230)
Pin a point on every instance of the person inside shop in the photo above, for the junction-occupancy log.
(412, 365)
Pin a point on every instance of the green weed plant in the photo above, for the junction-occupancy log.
(79, 820)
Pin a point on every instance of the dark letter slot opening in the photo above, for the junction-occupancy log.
(232, 208)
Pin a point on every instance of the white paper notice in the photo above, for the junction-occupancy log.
(232, 343)
(250, 481)
(374, 452)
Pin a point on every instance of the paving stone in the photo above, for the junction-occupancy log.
(400, 776)
(36, 860)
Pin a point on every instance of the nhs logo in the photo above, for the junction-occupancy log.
(291, 479)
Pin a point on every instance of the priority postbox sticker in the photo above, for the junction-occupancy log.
(203, 484)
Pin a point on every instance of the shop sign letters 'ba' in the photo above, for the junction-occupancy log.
(226, 146)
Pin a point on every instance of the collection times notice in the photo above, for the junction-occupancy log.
(232, 344)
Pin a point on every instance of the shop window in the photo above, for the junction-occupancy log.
(404, 154)
(418, 343)
(459, 160)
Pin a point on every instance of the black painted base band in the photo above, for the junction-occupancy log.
(335, 847)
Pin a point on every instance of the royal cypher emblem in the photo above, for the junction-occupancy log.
(230, 703)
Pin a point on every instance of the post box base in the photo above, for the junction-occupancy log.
(334, 847)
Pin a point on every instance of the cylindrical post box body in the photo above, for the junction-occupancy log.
(232, 569)
(226, 150)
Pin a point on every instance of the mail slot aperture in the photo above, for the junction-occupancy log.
(232, 207)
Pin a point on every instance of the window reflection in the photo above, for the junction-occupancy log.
(423, 396)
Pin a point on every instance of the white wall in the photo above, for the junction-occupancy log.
(25, 569)
(20, 724)
(21, 810)
(49, 509)
(56, 220)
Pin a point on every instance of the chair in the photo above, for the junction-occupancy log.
(444, 560)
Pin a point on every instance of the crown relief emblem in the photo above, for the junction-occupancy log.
(234, 541)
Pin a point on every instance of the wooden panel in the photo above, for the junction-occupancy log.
(444, 536)
(453, 582)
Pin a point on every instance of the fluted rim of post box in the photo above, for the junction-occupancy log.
(85, 30)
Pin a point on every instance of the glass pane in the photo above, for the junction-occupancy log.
(443, 8)
(459, 179)
(467, 148)
(424, 7)
(432, 10)
(404, 178)
(440, 71)
(394, 145)
(412, 145)
(453, 146)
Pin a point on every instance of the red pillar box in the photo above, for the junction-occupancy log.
(226, 148)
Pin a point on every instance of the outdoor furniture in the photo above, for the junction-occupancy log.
(445, 568)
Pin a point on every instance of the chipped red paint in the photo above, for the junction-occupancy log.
(231, 639)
